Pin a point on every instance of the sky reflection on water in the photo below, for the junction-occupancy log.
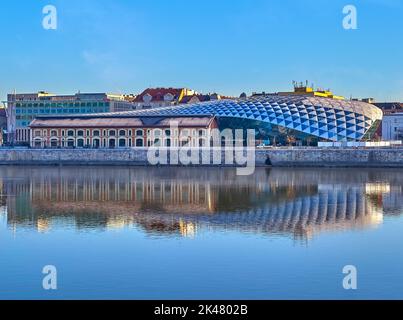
(200, 233)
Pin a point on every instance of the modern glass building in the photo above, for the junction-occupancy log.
(285, 119)
(27, 111)
(23, 108)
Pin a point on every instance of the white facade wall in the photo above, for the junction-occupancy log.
(392, 127)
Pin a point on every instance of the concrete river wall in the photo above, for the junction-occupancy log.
(281, 157)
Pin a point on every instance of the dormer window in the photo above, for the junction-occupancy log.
(147, 98)
(168, 97)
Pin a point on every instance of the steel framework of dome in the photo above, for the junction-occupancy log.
(320, 118)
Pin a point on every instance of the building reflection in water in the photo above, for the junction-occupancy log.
(300, 202)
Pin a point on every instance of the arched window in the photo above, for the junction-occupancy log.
(70, 143)
(80, 143)
(122, 133)
(139, 143)
(96, 133)
(38, 144)
(122, 143)
(54, 143)
(139, 133)
(157, 142)
(70, 133)
(96, 143)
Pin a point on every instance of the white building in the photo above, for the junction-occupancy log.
(392, 126)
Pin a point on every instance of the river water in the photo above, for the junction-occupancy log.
(192, 233)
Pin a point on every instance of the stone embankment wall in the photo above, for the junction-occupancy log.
(349, 157)
(298, 157)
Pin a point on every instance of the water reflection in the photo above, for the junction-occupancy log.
(183, 202)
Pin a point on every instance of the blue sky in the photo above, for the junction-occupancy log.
(225, 46)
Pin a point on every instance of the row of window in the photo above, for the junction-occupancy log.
(113, 143)
(23, 123)
(122, 133)
(96, 143)
(95, 133)
(64, 105)
(24, 117)
(60, 111)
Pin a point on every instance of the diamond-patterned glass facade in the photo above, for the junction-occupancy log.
(322, 118)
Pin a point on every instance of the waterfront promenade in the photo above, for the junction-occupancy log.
(276, 157)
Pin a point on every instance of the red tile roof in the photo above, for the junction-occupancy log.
(158, 94)
(201, 97)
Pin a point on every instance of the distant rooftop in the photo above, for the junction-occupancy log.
(390, 107)
(158, 94)
(304, 89)
(46, 96)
